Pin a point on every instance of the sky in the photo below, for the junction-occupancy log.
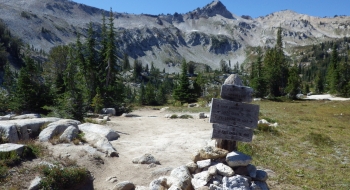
(253, 8)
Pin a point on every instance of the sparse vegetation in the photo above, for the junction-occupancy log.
(63, 178)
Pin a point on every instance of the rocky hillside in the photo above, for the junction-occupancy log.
(205, 35)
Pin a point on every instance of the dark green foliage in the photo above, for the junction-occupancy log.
(31, 94)
(319, 139)
(183, 91)
(333, 71)
(257, 77)
(137, 71)
(63, 178)
(293, 87)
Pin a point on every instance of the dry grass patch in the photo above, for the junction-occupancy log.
(311, 150)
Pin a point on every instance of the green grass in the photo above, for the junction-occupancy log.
(311, 148)
(63, 178)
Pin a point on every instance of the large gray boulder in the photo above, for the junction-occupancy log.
(109, 111)
(182, 178)
(56, 128)
(235, 183)
(69, 134)
(8, 132)
(10, 147)
(236, 158)
(101, 143)
(99, 129)
(33, 125)
(27, 116)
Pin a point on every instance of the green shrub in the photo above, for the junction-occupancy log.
(319, 139)
(186, 116)
(174, 116)
(63, 178)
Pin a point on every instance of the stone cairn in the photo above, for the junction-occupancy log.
(221, 166)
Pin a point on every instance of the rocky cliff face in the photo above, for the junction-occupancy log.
(205, 35)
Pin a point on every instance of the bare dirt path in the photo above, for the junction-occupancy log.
(171, 141)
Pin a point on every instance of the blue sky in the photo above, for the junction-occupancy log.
(254, 8)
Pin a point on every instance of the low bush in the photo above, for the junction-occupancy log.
(186, 116)
(174, 116)
(63, 178)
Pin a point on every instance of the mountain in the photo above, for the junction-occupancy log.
(205, 35)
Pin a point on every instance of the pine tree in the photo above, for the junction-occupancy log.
(183, 93)
(293, 87)
(91, 60)
(332, 78)
(111, 56)
(126, 63)
(257, 78)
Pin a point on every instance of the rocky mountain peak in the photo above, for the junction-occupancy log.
(214, 8)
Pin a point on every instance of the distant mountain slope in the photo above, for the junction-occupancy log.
(205, 35)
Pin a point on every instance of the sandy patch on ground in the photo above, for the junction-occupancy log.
(325, 96)
(171, 141)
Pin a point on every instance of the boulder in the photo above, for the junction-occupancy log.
(101, 143)
(204, 163)
(174, 187)
(33, 126)
(209, 152)
(236, 158)
(202, 115)
(262, 185)
(56, 128)
(8, 132)
(237, 182)
(112, 179)
(261, 175)
(234, 79)
(125, 185)
(27, 116)
(145, 159)
(69, 134)
(224, 170)
(215, 187)
(35, 183)
(158, 184)
(191, 167)
(99, 129)
(251, 170)
(10, 147)
(182, 178)
(200, 179)
(241, 170)
(109, 111)
(6, 117)
(212, 170)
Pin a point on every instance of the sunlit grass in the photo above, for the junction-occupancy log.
(311, 150)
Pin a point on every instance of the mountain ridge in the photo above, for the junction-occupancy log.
(205, 35)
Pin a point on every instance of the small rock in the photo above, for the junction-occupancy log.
(125, 185)
(200, 179)
(241, 170)
(112, 179)
(204, 163)
(145, 159)
(212, 170)
(183, 177)
(209, 152)
(158, 184)
(261, 175)
(35, 183)
(224, 170)
(202, 115)
(235, 182)
(251, 170)
(192, 167)
(262, 185)
(235, 159)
